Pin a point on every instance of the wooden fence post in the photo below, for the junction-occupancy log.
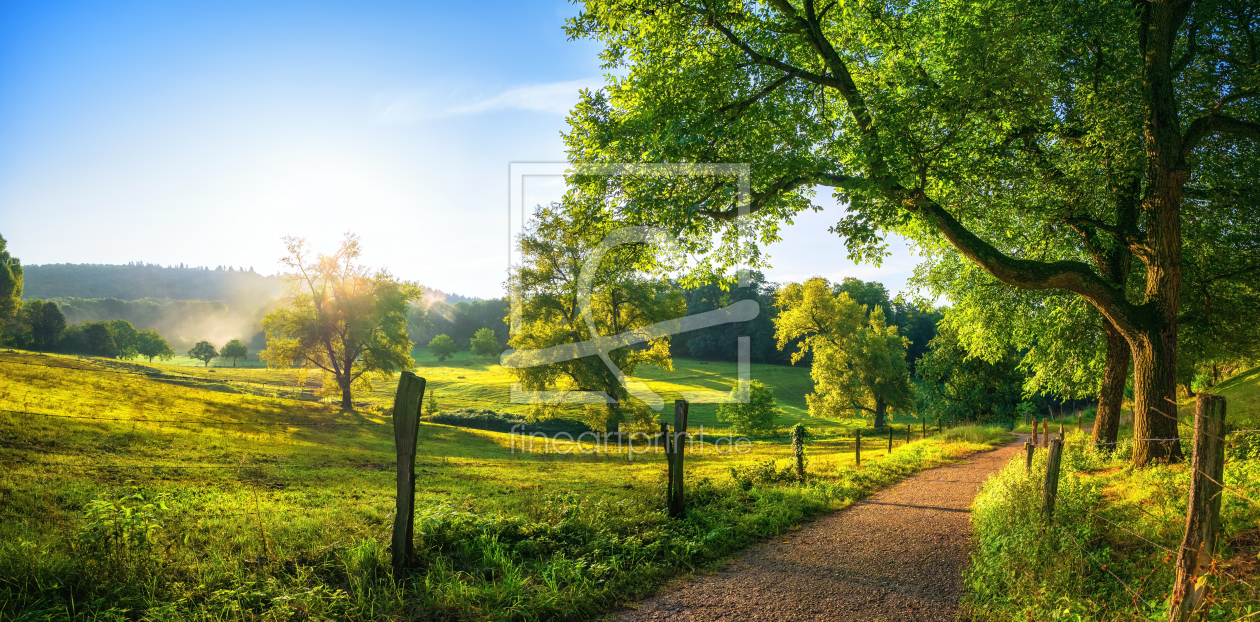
(1035, 440)
(406, 429)
(678, 505)
(1028, 455)
(925, 428)
(890, 438)
(1204, 507)
(1080, 421)
(1045, 432)
(668, 446)
(857, 448)
(1051, 489)
(907, 434)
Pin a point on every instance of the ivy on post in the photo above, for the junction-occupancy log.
(406, 429)
(798, 449)
(1203, 510)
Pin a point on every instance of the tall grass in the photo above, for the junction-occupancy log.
(99, 521)
(1107, 553)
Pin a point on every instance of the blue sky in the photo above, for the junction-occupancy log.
(201, 133)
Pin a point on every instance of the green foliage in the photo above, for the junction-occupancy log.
(11, 284)
(150, 344)
(120, 536)
(757, 417)
(340, 318)
(505, 422)
(203, 351)
(484, 343)
(126, 338)
(858, 363)
(460, 320)
(431, 407)
(955, 386)
(38, 325)
(555, 252)
(799, 434)
(443, 347)
(234, 349)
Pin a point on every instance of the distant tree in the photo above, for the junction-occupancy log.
(558, 254)
(10, 284)
(443, 347)
(152, 345)
(859, 363)
(956, 386)
(203, 351)
(234, 349)
(47, 325)
(126, 337)
(339, 317)
(99, 339)
(757, 416)
(484, 343)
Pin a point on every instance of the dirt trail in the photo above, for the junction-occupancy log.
(898, 555)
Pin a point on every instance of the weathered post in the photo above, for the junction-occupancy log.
(1035, 441)
(907, 434)
(678, 507)
(890, 438)
(668, 446)
(1045, 432)
(406, 429)
(1061, 436)
(924, 428)
(857, 448)
(1028, 455)
(1080, 421)
(1204, 507)
(1051, 489)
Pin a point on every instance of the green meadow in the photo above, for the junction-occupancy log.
(138, 491)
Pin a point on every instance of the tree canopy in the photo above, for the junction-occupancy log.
(234, 350)
(151, 345)
(10, 283)
(1031, 138)
(858, 362)
(339, 317)
(559, 254)
(484, 343)
(443, 347)
(204, 351)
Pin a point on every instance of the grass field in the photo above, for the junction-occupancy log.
(231, 494)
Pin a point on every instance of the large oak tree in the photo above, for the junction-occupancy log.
(1003, 128)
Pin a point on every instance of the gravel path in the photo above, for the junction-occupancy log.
(897, 555)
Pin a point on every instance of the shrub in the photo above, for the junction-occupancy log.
(755, 417)
(504, 422)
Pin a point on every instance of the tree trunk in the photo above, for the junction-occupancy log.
(1111, 394)
(880, 408)
(346, 402)
(1154, 399)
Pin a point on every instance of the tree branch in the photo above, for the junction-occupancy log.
(1213, 124)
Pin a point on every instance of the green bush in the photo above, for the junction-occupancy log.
(504, 422)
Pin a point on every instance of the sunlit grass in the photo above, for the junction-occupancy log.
(280, 499)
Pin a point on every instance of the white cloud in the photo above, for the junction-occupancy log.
(412, 106)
